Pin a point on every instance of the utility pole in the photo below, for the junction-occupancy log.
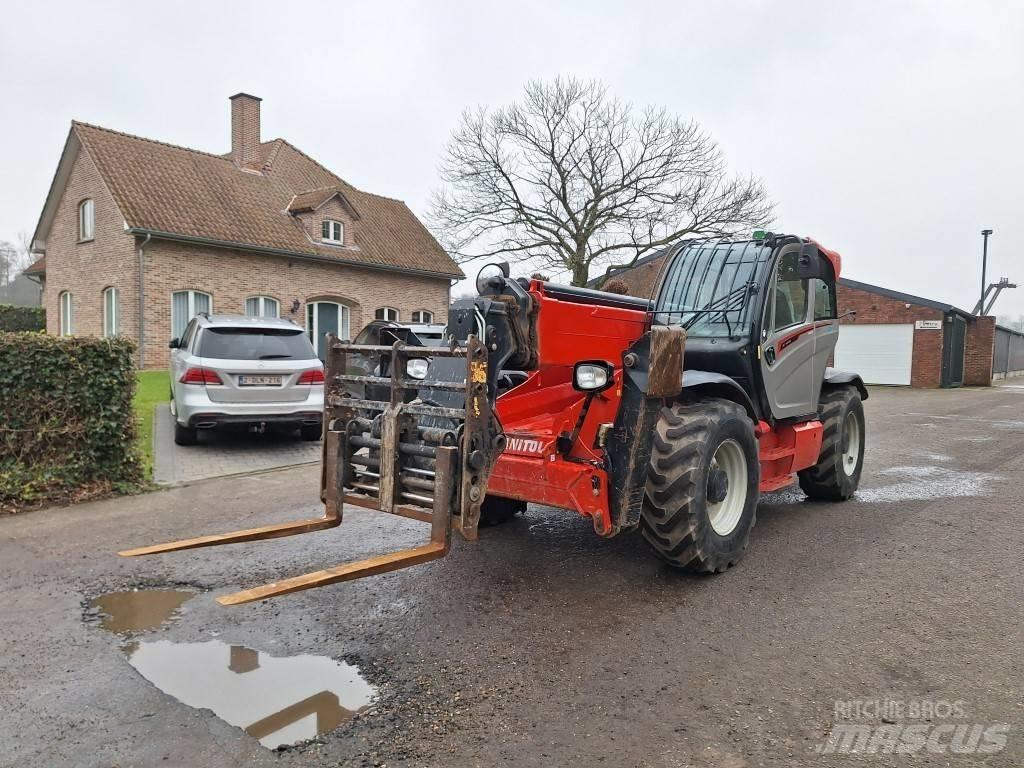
(984, 265)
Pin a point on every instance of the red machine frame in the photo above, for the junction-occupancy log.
(534, 468)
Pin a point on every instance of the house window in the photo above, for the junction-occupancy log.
(332, 232)
(323, 317)
(184, 306)
(111, 312)
(86, 221)
(422, 316)
(386, 313)
(66, 314)
(262, 306)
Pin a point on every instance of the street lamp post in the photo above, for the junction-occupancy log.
(984, 265)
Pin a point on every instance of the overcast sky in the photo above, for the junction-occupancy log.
(892, 132)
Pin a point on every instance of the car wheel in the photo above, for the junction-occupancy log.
(311, 431)
(185, 435)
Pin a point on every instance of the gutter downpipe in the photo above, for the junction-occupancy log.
(142, 300)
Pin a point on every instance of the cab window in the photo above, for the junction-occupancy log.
(790, 293)
(824, 299)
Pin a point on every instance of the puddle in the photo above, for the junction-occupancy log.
(279, 700)
(139, 610)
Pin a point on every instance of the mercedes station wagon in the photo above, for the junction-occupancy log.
(253, 372)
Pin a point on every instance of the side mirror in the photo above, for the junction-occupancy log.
(808, 262)
(491, 278)
(174, 343)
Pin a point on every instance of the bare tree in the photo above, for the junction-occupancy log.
(9, 260)
(570, 177)
(14, 258)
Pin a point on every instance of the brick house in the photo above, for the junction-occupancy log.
(137, 236)
(895, 338)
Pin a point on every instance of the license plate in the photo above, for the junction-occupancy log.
(259, 381)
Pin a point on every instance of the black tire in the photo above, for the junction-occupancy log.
(497, 510)
(311, 431)
(185, 435)
(675, 520)
(832, 479)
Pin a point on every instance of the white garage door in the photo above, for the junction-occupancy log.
(881, 354)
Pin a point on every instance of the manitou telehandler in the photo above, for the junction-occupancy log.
(668, 415)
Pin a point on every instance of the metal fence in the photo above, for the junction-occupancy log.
(1009, 353)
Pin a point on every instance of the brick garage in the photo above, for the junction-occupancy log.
(939, 331)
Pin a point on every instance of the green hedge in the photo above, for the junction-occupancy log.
(22, 318)
(67, 428)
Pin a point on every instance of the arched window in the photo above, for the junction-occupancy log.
(86, 220)
(111, 312)
(67, 311)
(323, 317)
(332, 232)
(386, 313)
(184, 306)
(422, 316)
(262, 306)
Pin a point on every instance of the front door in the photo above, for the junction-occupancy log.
(953, 351)
(797, 337)
(323, 317)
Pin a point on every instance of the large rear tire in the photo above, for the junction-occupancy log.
(837, 474)
(702, 486)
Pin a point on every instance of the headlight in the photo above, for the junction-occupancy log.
(592, 377)
(416, 368)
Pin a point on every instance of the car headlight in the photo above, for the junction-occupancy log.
(416, 368)
(592, 377)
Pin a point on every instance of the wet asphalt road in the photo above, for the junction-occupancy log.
(543, 644)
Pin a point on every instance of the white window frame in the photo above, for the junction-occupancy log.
(191, 304)
(111, 312)
(390, 313)
(336, 229)
(261, 305)
(423, 316)
(66, 313)
(86, 220)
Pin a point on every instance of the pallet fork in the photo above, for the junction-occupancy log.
(406, 456)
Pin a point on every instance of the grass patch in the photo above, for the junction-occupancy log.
(153, 388)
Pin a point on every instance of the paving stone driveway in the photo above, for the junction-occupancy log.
(223, 453)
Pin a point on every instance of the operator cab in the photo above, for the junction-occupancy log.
(759, 312)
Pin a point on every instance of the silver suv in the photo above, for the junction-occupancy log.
(253, 371)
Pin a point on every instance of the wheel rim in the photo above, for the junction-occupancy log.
(725, 514)
(852, 453)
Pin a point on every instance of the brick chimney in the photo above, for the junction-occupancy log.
(245, 131)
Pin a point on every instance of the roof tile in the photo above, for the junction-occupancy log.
(174, 190)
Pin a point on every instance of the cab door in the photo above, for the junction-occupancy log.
(793, 346)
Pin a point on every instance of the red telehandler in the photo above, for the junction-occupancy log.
(668, 415)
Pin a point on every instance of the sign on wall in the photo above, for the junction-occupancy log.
(928, 325)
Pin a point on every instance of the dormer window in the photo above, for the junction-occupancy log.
(86, 221)
(332, 232)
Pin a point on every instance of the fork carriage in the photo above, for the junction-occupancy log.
(427, 461)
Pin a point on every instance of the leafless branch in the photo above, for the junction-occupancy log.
(570, 177)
